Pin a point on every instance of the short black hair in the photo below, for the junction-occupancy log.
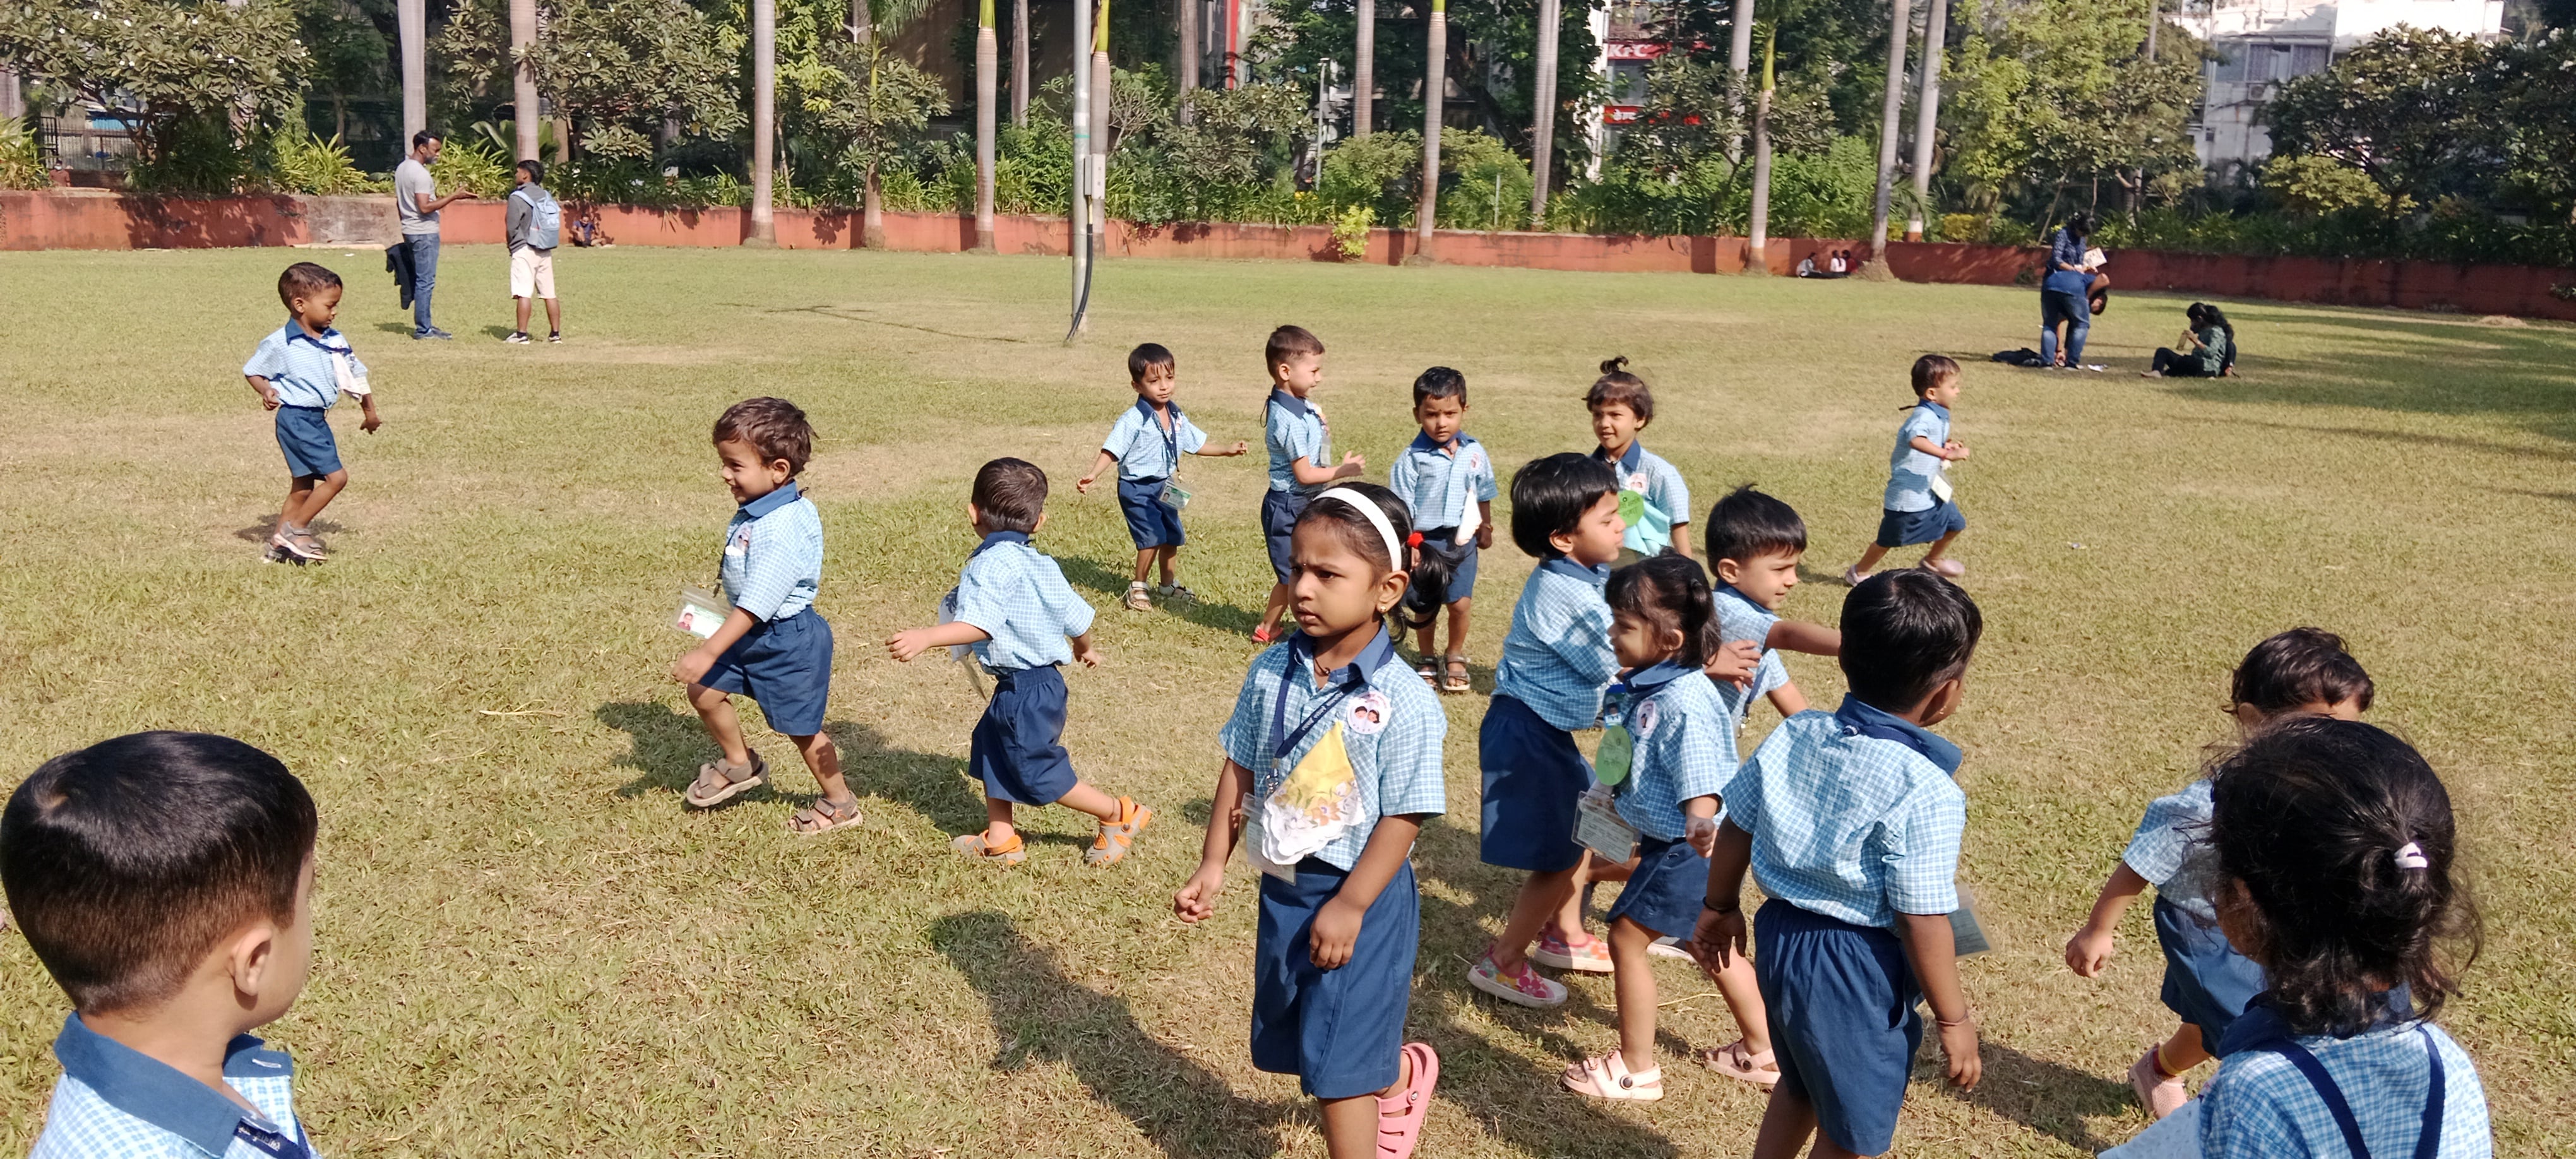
(1011, 493)
(1932, 370)
(1550, 495)
(1288, 342)
(2311, 816)
(535, 169)
(303, 280)
(773, 426)
(1905, 632)
(1439, 382)
(426, 136)
(1146, 357)
(128, 861)
(1747, 525)
(1670, 592)
(2297, 668)
(1617, 386)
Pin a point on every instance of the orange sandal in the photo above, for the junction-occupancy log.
(1110, 847)
(974, 845)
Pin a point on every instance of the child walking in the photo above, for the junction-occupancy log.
(299, 372)
(1850, 822)
(2304, 671)
(1299, 443)
(1012, 606)
(1332, 763)
(1918, 506)
(773, 646)
(1447, 480)
(2334, 845)
(1147, 443)
(1622, 407)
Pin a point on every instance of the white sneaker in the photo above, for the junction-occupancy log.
(1669, 948)
(1854, 576)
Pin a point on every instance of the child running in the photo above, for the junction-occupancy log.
(2335, 847)
(2304, 671)
(1918, 506)
(1012, 606)
(773, 646)
(1333, 753)
(299, 371)
(1147, 443)
(1622, 407)
(1850, 822)
(1299, 443)
(1447, 480)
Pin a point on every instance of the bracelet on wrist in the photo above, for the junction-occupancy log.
(1731, 907)
(1962, 1020)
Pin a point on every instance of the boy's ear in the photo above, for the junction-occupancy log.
(1562, 541)
(974, 514)
(783, 468)
(248, 955)
(1728, 571)
(1038, 526)
(1943, 701)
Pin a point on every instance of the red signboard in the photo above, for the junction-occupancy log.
(1636, 49)
(1621, 114)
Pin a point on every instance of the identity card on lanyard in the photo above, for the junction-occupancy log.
(1318, 800)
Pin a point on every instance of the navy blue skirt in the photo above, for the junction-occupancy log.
(1907, 528)
(1843, 1022)
(304, 433)
(1665, 892)
(1015, 749)
(1341, 1032)
(1279, 512)
(1533, 776)
(786, 666)
(1149, 523)
(2207, 982)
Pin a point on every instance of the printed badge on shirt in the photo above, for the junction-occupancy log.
(1367, 714)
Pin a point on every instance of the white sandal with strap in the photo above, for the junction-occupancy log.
(1608, 1077)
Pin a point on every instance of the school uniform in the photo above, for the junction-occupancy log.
(1018, 596)
(1327, 763)
(2399, 1088)
(1149, 454)
(1850, 828)
(115, 1102)
(1685, 748)
(1739, 618)
(307, 374)
(2207, 983)
(1914, 514)
(1441, 484)
(1293, 431)
(772, 568)
(1666, 497)
(1556, 662)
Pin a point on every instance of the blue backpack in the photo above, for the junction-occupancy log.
(545, 218)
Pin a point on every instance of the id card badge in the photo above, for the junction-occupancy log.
(701, 612)
(1941, 488)
(1252, 844)
(1598, 827)
(1174, 497)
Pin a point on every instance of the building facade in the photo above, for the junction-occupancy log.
(2261, 43)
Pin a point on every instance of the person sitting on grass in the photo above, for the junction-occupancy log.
(773, 646)
(2206, 349)
(1013, 608)
(299, 372)
(1917, 506)
(1146, 444)
(165, 880)
(1446, 478)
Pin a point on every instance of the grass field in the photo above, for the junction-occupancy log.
(527, 945)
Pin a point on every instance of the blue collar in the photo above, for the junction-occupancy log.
(1422, 442)
(157, 1093)
(1018, 537)
(1651, 679)
(1289, 402)
(1935, 408)
(295, 331)
(1738, 593)
(1561, 565)
(784, 495)
(1627, 462)
(2262, 1024)
(1867, 720)
(1301, 649)
(1147, 409)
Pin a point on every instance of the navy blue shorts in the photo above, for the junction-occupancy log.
(1843, 1022)
(786, 666)
(1341, 1032)
(1149, 523)
(1533, 776)
(304, 433)
(1907, 528)
(2206, 981)
(1279, 512)
(1665, 892)
(1014, 750)
(1462, 562)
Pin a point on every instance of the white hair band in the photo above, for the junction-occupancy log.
(1376, 518)
(2411, 856)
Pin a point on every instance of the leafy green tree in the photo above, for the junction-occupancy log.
(2048, 95)
(208, 75)
(2531, 120)
(869, 104)
(1492, 58)
(620, 69)
(2401, 107)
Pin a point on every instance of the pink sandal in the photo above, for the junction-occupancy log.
(1737, 1061)
(1608, 1077)
(1399, 1118)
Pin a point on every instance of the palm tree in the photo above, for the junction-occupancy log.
(764, 119)
(1899, 30)
(1435, 89)
(1190, 35)
(411, 18)
(985, 64)
(1019, 64)
(1364, 70)
(523, 75)
(1542, 108)
(1757, 252)
(1927, 114)
(1739, 59)
(1103, 93)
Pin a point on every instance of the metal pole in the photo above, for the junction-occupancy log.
(1078, 218)
(1927, 114)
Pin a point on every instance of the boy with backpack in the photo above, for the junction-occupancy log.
(535, 229)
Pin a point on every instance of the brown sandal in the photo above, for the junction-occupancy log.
(1458, 678)
(825, 817)
(720, 780)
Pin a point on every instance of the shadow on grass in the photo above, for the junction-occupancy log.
(266, 525)
(404, 328)
(499, 331)
(2051, 1098)
(1112, 582)
(670, 744)
(851, 314)
(1040, 1013)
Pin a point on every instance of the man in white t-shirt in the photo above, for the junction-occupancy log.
(417, 203)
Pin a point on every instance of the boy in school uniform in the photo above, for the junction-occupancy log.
(1147, 443)
(165, 880)
(299, 371)
(1013, 608)
(1299, 442)
(1918, 506)
(1850, 822)
(1446, 479)
(1755, 543)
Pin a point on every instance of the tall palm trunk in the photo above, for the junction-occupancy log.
(1435, 89)
(1899, 30)
(1542, 110)
(1364, 71)
(1079, 219)
(1190, 36)
(1927, 114)
(987, 61)
(1739, 61)
(523, 75)
(1102, 93)
(1019, 64)
(411, 19)
(764, 119)
(13, 100)
(1757, 256)
(863, 32)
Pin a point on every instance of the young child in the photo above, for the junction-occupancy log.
(1447, 480)
(1012, 606)
(165, 879)
(1918, 506)
(2335, 846)
(1333, 753)
(299, 371)
(1555, 664)
(2304, 671)
(773, 646)
(533, 227)
(1682, 751)
(1622, 407)
(1147, 443)
(1850, 822)
(1299, 443)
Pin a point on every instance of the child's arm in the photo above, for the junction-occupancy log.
(1699, 824)
(1798, 636)
(1936, 965)
(911, 642)
(2090, 949)
(267, 393)
(1720, 935)
(1788, 700)
(367, 405)
(1681, 540)
(1484, 525)
(1197, 898)
(692, 666)
(1735, 663)
(1308, 473)
(1082, 486)
(1084, 652)
(1337, 924)
(1211, 450)
(1924, 444)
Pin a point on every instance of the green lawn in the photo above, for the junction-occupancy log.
(528, 945)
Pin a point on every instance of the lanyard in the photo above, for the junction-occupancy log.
(1171, 438)
(270, 1142)
(1285, 742)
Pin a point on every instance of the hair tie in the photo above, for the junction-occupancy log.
(1377, 519)
(1413, 540)
(2411, 856)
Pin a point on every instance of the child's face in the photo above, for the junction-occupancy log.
(1156, 387)
(1765, 579)
(1300, 374)
(2249, 717)
(1945, 392)
(1336, 589)
(746, 474)
(1615, 425)
(1639, 642)
(317, 309)
(1595, 538)
(1441, 417)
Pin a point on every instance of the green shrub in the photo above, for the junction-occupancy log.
(468, 164)
(1351, 232)
(299, 161)
(22, 164)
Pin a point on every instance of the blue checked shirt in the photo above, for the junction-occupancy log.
(1909, 471)
(114, 1102)
(2260, 1106)
(1685, 748)
(1294, 431)
(2168, 841)
(299, 367)
(1144, 449)
(1557, 657)
(1436, 485)
(773, 554)
(1018, 596)
(1395, 759)
(1849, 826)
(1645, 471)
(1739, 618)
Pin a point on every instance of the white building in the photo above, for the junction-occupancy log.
(2261, 43)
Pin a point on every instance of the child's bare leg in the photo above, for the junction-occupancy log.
(1787, 1120)
(1422, 638)
(1938, 546)
(1350, 1125)
(299, 492)
(2183, 1051)
(1144, 563)
(1168, 554)
(1539, 899)
(1869, 558)
(998, 829)
(1634, 983)
(322, 494)
(1567, 921)
(1743, 995)
(1457, 627)
(1278, 605)
(715, 710)
(1083, 798)
(823, 758)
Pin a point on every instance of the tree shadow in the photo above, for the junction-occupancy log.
(1112, 582)
(2417, 366)
(2048, 1097)
(1040, 1013)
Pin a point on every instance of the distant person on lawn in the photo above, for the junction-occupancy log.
(416, 202)
(299, 371)
(2206, 349)
(535, 229)
(2062, 294)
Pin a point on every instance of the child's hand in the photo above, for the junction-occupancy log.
(268, 399)
(1484, 537)
(1701, 832)
(1197, 899)
(1082, 486)
(371, 422)
(910, 642)
(1241, 446)
(1085, 652)
(1719, 938)
(1959, 1042)
(1336, 930)
(2088, 951)
(1353, 463)
(691, 668)
(1735, 662)
(1957, 450)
